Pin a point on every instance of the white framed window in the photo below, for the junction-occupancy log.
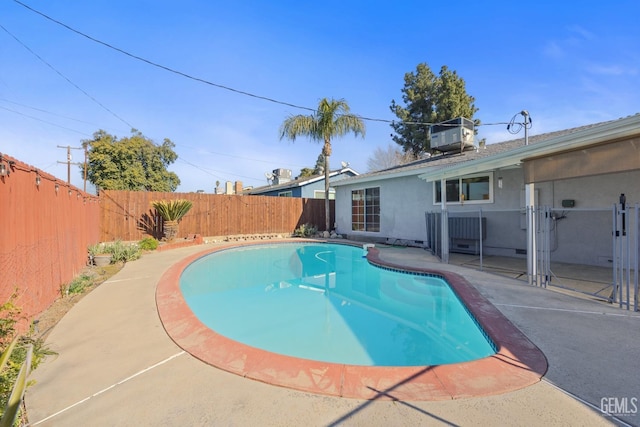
(365, 209)
(471, 189)
(285, 194)
(319, 194)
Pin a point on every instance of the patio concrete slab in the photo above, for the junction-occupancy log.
(117, 366)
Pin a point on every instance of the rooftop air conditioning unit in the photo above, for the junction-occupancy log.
(281, 176)
(456, 134)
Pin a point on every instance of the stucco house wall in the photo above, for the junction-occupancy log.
(403, 204)
(581, 234)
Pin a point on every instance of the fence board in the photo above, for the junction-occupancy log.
(128, 215)
(46, 229)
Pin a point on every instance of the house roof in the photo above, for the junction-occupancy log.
(299, 182)
(505, 154)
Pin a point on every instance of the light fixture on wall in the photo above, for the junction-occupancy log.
(38, 180)
(500, 182)
(57, 187)
(3, 169)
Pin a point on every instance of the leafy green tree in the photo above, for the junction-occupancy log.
(331, 119)
(429, 98)
(135, 163)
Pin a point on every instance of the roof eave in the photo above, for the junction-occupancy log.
(363, 179)
(618, 129)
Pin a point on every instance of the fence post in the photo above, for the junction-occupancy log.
(532, 262)
(636, 250)
(481, 235)
(614, 291)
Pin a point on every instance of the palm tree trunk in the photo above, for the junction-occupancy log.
(170, 230)
(327, 209)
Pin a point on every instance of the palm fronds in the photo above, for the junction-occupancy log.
(172, 210)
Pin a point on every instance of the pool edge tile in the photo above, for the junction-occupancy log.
(518, 363)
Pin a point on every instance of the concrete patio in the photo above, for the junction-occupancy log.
(117, 366)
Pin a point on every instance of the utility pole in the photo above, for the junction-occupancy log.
(85, 168)
(69, 163)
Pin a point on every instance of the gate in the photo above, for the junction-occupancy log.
(615, 231)
(625, 234)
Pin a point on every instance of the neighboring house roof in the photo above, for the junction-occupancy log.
(505, 154)
(300, 182)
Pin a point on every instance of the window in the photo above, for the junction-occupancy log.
(365, 209)
(319, 194)
(474, 189)
(285, 194)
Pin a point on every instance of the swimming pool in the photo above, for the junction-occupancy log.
(326, 302)
(517, 363)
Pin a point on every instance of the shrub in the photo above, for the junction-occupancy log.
(79, 284)
(119, 251)
(97, 249)
(148, 244)
(13, 358)
(306, 230)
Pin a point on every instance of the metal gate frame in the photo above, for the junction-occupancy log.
(625, 233)
(626, 247)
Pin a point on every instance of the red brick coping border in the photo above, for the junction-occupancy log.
(518, 363)
(190, 240)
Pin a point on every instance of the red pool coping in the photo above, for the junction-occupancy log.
(518, 363)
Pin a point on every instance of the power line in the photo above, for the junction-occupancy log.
(44, 121)
(164, 67)
(201, 80)
(231, 155)
(65, 77)
(47, 112)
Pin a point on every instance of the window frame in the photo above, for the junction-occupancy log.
(287, 193)
(366, 215)
(460, 185)
(332, 194)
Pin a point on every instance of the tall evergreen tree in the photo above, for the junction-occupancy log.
(429, 98)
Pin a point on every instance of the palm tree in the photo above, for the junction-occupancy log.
(331, 119)
(171, 212)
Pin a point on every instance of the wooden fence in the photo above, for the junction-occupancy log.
(128, 215)
(46, 227)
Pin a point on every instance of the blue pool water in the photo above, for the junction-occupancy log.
(326, 302)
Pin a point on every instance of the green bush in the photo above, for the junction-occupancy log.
(148, 244)
(13, 351)
(119, 251)
(79, 284)
(306, 230)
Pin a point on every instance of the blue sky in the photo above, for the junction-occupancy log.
(567, 63)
